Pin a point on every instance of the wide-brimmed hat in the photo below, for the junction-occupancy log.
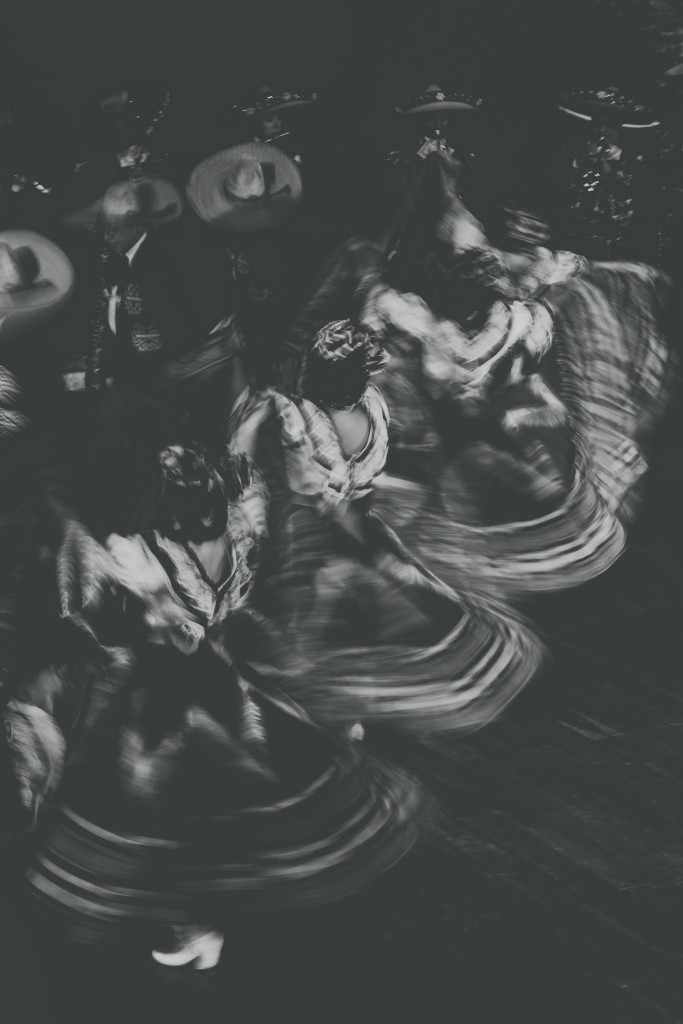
(250, 187)
(36, 279)
(154, 199)
(434, 99)
(160, 201)
(267, 100)
(622, 110)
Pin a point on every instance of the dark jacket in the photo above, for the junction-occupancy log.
(177, 290)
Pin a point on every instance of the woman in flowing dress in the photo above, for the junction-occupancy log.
(199, 788)
(529, 383)
(370, 633)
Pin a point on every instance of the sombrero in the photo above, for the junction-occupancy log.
(163, 202)
(434, 99)
(267, 101)
(589, 104)
(250, 187)
(36, 279)
(159, 200)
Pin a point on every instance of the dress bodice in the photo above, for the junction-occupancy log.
(180, 600)
(349, 476)
(317, 468)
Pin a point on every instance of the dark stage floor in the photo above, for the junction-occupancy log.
(552, 893)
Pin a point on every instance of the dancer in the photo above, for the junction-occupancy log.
(369, 633)
(538, 378)
(200, 790)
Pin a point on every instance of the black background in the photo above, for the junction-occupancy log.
(360, 54)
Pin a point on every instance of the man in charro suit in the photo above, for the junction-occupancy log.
(159, 290)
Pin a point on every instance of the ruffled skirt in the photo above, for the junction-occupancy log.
(574, 543)
(371, 635)
(202, 794)
(612, 368)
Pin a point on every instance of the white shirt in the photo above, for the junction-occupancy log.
(114, 297)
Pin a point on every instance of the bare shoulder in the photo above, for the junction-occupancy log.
(353, 427)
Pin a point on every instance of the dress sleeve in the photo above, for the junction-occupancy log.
(85, 573)
(307, 477)
(374, 457)
(248, 517)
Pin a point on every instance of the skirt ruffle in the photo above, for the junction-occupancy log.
(226, 806)
(354, 823)
(373, 635)
(565, 548)
(614, 369)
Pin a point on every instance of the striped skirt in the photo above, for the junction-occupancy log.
(369, 633)
(204, 795)
(614, 370)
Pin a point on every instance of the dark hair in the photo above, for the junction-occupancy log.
(193, 497)
(337, 384)
(456, 286)
(129, 491)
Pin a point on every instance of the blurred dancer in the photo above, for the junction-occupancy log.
(538, 378)
(369, 633)
(200, 790)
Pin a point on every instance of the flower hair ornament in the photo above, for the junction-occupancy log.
(340, 363)
(237, 474)
(191, 467)
(184, 467)
(193, 492)
(339, 339)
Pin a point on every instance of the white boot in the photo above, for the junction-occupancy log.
(200, 948)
